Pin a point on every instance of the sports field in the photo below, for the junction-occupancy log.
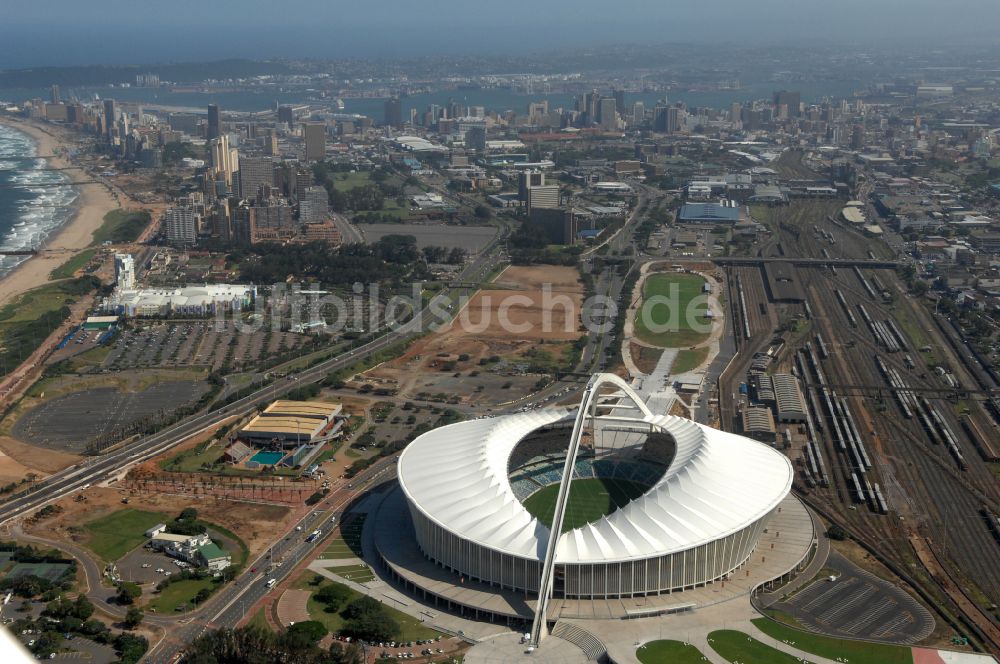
(589, 500)
(676, 317)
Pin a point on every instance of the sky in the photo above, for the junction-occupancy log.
(66, 32)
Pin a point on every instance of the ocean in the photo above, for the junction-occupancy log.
(31, 209)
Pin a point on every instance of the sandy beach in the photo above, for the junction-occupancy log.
(94, 202)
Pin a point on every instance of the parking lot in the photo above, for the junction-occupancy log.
(70, 422)
(859, 605)
(141, 565)
(201, 343)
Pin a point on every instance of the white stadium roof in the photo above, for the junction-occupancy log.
(717, 484)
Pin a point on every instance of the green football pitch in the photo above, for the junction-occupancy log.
(589, 500)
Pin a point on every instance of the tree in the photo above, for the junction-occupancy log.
(333, 595)
(302, 635)
(133, 617)
(483, 212)
(367, 619)
(128, 592)
(188, 514)
(202, 595)
(835, 532)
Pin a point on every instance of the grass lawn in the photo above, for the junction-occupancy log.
(114, 535)
(78, 262)
(738, 647)
(121, 226)
(356, 573)
(678, 319)
(669, 652)
(589, 500)
(688, 359)
(411, 628)
(347, 544)
(348, 181)
(858, 652)
(259, 620)
(191, 461)
(179, 593)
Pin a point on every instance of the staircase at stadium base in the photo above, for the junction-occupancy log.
(592, 646)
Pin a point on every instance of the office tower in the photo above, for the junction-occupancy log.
(55, 94)
(302, 180)
(255, 172)
(638, 114)
(213, 122)
(413, 117)
(271, 145)
(224, 159)
(181, 224)
(619, 96)
(791, 100)
(314, 136)
(109, 118)
(475, 139)
(393, 112)
(545, 196)
(858, 137)
(124, 272)
(608, 116)
(527, 179)
(222, 226)
(286, 115)
(537, 109)
(591, 100)
(660, 117)
(314, 205)
(673, 120)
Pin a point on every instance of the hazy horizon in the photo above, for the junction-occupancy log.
(110, 32)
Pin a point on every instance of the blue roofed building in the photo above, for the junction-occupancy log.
(709, 213)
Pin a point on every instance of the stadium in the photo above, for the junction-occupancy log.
(658, 503)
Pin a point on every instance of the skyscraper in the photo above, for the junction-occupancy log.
(638, 114)
(314, 205)
(475, 139)
(791, 100)
(393, 112)
(286, 115)
(255, 172)
(608, 115)
(181, 224)
(55, 94)
(619, 96)
(124, 272)
(225, 160)
(213, 121)
(109, 118)
(314, 136)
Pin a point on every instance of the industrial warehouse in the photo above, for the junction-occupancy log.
(293, 423)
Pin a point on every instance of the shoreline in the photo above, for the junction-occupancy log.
(72, 236)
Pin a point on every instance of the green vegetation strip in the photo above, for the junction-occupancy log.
(121, 226)
(673, 311)
(688, 360)
(410, 628)
(589, 500)
(738, 647)
(178, 594)
(857, 652)
(672, 652)
(78, 262)
(114, 535)
(347, 544)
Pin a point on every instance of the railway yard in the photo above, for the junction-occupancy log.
(898, 438)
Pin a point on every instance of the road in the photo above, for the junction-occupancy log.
(229, 606)
(114, 463)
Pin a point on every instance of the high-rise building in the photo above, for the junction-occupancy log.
(181, 224)
(393, 112)
(475, 139)
(255, 172)
(55, 94)
(124, 272)
(790, 100)
(224, 159)
(214, 127)
(286, 115)
(619, 96)
(526, 180)
(314, 205)
(314, 136)
(858, 137)
(109, 118)
(638, 114)
(271, 145)
(546, 196)
(607, 114)
(300, 181)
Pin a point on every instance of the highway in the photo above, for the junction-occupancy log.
(99, 469)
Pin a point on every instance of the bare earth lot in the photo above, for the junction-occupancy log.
(469, 238)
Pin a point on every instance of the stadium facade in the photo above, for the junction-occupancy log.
(706, 498)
